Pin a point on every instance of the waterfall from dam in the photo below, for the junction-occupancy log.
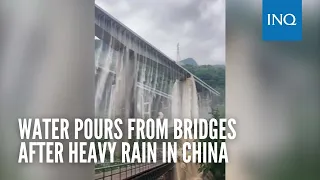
(185, 105)
(134, 81)
(127, 85)
(130, 81)
(176, 102)
(103, 59)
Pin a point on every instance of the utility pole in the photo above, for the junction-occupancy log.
(178, 53)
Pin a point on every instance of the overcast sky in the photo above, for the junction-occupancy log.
(198, 25)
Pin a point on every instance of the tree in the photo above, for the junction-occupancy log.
(217, 169)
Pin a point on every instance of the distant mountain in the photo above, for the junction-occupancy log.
(188, 61)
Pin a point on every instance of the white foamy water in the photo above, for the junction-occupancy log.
(176, 102)
(189, 109)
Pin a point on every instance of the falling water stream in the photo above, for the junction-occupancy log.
(132, 80)
(185, 93)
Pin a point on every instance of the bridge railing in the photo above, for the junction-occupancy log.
(162, 172)
(123, 171)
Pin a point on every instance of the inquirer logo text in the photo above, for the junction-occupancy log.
(282, 20)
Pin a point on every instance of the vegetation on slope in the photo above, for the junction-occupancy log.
(213, 75)
(218, 170)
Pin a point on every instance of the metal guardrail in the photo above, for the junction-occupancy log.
(123, 171)
(165, 171)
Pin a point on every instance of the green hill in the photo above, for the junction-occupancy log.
(213, 75)
(188, 61)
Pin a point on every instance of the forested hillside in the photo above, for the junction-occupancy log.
(213, 75)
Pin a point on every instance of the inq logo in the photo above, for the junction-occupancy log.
(288, 19)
